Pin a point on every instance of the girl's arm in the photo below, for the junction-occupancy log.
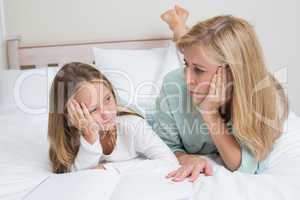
(88, 155)
(149, 144)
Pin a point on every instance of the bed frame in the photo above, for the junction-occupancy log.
(53, 55)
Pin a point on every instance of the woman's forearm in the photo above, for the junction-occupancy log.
(226, 144)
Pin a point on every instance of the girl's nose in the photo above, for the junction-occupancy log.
(104, 116)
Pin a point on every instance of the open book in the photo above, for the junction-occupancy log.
(145, 181)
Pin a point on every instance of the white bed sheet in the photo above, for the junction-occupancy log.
(24, 164)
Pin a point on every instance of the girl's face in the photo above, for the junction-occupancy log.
(199, 72)
(100, 103)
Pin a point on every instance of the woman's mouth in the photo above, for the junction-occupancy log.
(196, 93)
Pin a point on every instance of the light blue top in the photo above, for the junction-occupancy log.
(181, 126)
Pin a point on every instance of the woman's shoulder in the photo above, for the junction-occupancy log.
(174, 81)
(176, 75)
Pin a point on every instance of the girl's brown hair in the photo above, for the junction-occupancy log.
(63, 138)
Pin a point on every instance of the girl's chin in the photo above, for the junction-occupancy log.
(108, 126)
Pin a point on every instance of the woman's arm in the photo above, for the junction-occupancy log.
(226, 144)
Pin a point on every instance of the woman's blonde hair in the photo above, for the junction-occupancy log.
(259, 104)
(64, 138)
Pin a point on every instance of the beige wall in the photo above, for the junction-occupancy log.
(3, 64)
(44, 21)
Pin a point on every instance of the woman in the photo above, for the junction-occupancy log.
(87, 129)
(223, 101)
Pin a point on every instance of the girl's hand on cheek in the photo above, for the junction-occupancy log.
(81, 119)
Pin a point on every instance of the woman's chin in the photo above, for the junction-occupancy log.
(197, 100)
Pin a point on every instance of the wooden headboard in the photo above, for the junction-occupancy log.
(52, 55)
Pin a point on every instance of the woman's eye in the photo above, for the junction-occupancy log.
(94, 110)
(185, 63)
(197, 70)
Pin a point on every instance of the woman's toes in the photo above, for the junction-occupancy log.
(181, 12)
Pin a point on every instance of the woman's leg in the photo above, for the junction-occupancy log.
(176, 19)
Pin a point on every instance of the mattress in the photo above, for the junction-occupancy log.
(25, 170)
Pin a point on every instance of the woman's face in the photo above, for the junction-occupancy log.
(100, 103)
(199, 72)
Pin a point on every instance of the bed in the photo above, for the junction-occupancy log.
(24, 166)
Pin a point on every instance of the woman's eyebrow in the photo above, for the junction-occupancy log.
(196, 65)
(199, 66)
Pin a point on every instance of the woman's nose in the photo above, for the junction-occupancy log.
(190, 78)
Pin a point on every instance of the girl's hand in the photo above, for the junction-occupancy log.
(220, 92)
(191, 167)
(176, 19)
(82, 120)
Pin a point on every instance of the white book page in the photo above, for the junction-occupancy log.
(87, 185)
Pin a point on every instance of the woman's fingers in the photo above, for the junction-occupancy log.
(208, 171)
(183, 173)
(171, 174)
(196, 171)
(212, 87)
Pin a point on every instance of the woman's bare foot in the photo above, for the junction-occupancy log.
(176, 19)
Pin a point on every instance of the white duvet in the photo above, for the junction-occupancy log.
(25, 171)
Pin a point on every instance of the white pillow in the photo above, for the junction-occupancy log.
(26, 89)
(137, 74)
(132, 72)
(173, 60)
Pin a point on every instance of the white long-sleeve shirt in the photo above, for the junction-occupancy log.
(135, 138)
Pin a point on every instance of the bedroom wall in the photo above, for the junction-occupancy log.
(3, 64)
(55, 21)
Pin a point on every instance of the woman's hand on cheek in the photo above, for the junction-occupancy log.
(81, 119)
(191, 168)
(217, 95)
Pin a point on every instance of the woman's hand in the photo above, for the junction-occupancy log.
(176, 19)
(220, 92)
(99, 166)
(82, 120)
(191, 167)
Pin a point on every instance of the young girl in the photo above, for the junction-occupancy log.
(87, 129)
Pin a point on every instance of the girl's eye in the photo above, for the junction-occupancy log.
(107, 100)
